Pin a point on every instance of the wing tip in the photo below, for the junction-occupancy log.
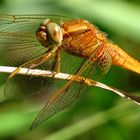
(34, 125)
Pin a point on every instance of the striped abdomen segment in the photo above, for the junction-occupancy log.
(122, 59)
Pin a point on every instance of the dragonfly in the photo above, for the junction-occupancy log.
(59, 44)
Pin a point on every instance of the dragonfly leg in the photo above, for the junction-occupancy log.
(56, 62)
(35, 62)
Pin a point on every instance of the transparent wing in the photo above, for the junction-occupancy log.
(18, 43)
(36, 19)
(18, 48)
(70, 91)
(21, 86)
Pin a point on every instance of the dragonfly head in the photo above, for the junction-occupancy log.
(49, 33)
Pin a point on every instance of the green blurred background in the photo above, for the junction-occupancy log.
(100, 114)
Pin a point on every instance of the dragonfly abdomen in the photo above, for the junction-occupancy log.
(123, 59)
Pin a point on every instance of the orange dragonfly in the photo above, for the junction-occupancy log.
(59, 44)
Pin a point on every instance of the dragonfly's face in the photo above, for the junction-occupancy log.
(49, 33)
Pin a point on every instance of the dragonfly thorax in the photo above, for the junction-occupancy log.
(49, 33)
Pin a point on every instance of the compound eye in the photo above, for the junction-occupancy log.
(55, 32)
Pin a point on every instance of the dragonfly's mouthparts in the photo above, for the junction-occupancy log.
(42, 35)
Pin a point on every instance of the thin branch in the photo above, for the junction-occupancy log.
(35, 72)
(65, 76)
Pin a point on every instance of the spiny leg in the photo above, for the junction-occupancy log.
(35, 62)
